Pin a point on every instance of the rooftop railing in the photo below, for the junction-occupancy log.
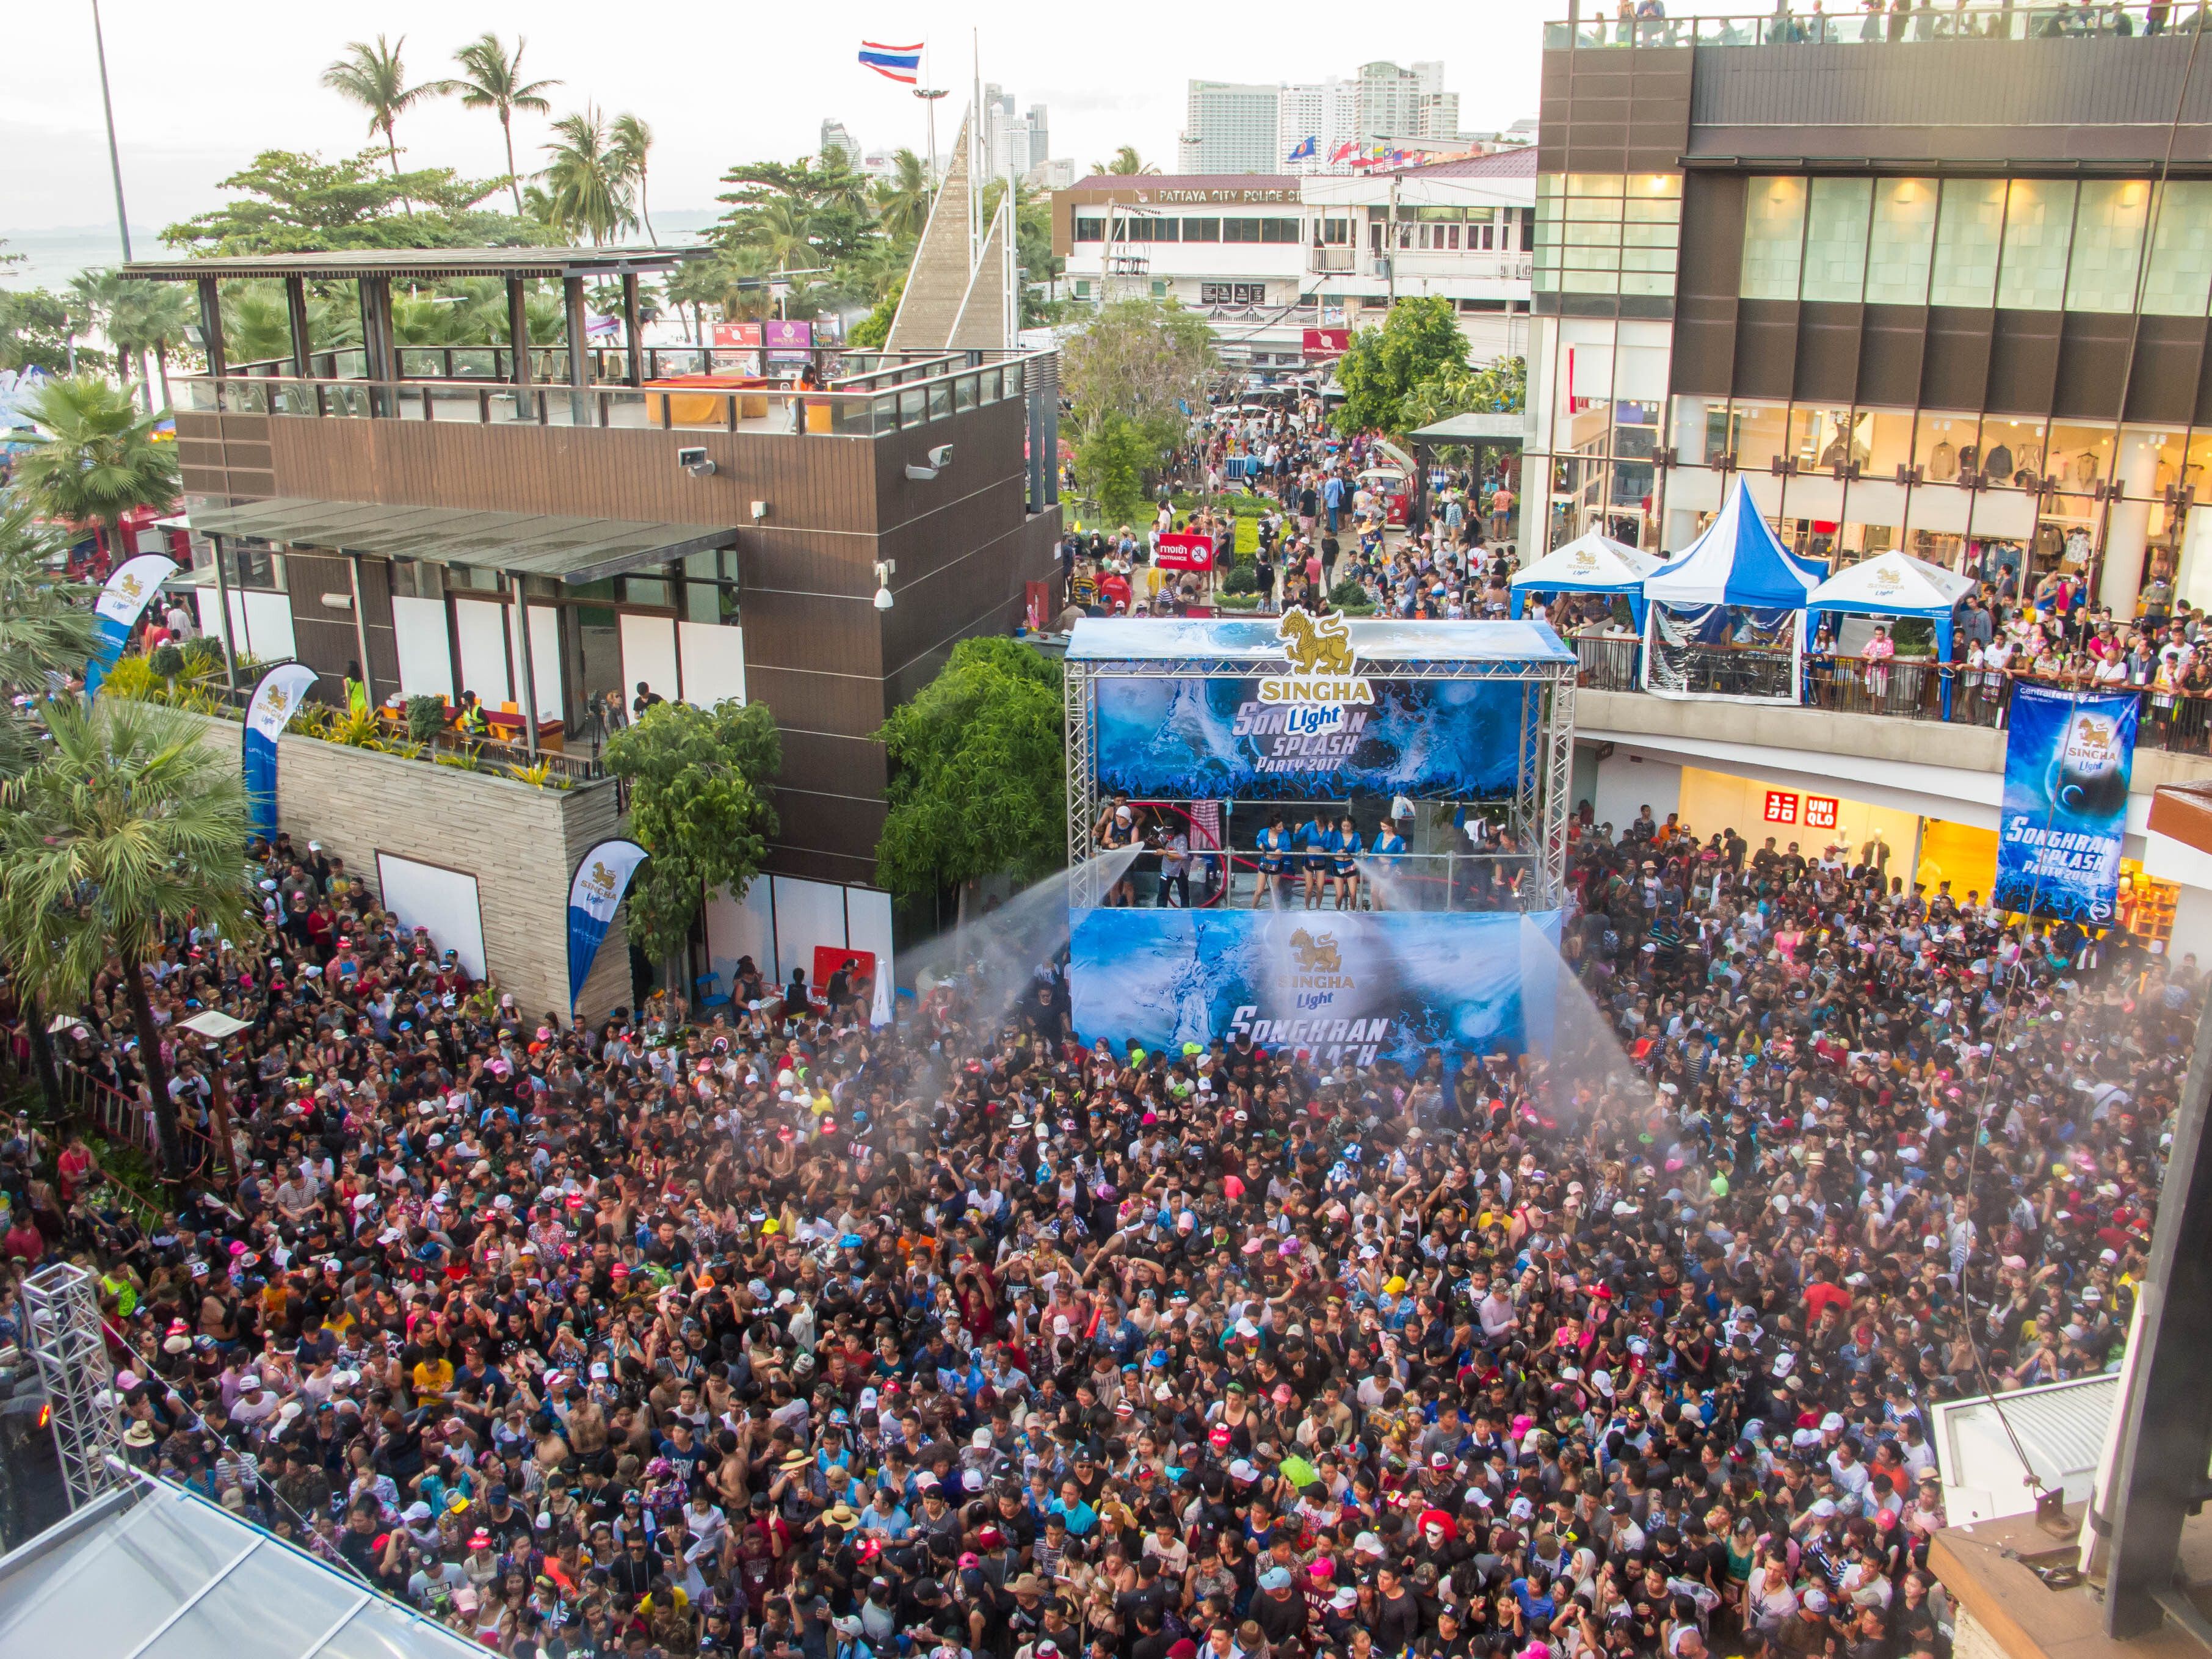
(1885, 24)
(883, 406)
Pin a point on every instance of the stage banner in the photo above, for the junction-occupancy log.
(601, 879)
(129, 589)
(2067, 760)
(276, 698)
(1212, 740)
(1358, 984)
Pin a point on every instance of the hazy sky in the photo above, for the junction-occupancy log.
(200, 89)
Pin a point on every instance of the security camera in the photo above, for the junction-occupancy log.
(695, 462)
(939, 458)
(884, 569)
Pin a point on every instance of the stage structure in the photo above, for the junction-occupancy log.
(1457, 737)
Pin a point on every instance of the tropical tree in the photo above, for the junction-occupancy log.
(699, 787)
(696, 284)
(98, 297)
(47, 626)
(586, 178)
(978, 773)
(95, 457)
(491, 78)
(632, 142)
(376, 79)
(1418, 341)
(294, 201)
(1127, 163)
(129, 828)
(35, 331)
(902, 201)
(153, 319)
(1497, 388)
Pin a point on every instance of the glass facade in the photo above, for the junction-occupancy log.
(1607, 232)
(2022, 244)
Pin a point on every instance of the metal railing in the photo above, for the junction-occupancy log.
(841, 368)
(834, 412)
(1609, 662)
(1984, 19)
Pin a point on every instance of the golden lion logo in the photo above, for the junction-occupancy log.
(1316, 645)
(129, 587)
(601, 881)
(1316, 954)
(278, 702)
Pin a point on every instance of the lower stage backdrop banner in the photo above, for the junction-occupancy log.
(1362, 985)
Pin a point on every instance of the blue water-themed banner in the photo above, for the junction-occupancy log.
(1206, 739)
(129, 587)
(1363, 985)
(2066, 761)
(276, 698)
(602, 877)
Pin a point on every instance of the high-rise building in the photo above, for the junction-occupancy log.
(1230, 127)
(1327, 112)
(836, 141)
(1012, 144)
(1396, 104)
(1040, 136)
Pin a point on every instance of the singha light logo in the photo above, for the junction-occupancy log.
(601, 881)
(277, 702)
(129, 586)
(1315, 954)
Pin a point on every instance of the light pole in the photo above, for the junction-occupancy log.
(929, 95)
(114, 159)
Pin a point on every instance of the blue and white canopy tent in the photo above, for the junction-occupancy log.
(1590, 563)
(1895, 584)
(1727, 613)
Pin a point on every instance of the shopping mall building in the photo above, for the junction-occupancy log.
(1937, 282)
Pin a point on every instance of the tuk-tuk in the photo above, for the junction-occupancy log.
(1391, 485)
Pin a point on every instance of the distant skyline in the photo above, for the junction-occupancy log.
(195, 103)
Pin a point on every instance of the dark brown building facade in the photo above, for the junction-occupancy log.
(1939, 281)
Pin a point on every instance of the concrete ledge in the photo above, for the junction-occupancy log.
(1817, 732)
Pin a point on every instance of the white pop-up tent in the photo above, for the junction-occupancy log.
(1724, 610)
(1590, 563)
(1895, 584)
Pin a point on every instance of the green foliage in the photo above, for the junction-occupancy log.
(129, 826)
(166, 662)
(1347, 591)
(96, 457)
(978, 772)
(35, 329)
(1144, 359)
(1498, 388)
(46, 626)
(295, 201)
(426, 717)
(1242, 578)
(872, 329)
(1420, 339)
(376, 78)
(589, 178)
(491, 78)
(699, 782)
(1110, 467)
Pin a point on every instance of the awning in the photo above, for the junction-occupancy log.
(531, 544)
(1471, 428)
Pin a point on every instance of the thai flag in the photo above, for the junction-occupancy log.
(893, 63)
(1310, 148)
(1343, 151)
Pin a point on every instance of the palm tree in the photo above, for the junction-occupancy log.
(633, 139)
(154, 317)
(48, 632)
(1126, 163)
(903, 200)
(588, 184)
(785, 230)
(130, 827)
(492, 79)
(373, 77)
(98, 297)
(95, 457)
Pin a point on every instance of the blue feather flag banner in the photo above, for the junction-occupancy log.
(901, 64)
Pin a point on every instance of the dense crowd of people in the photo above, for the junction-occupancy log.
(1337, 522)
(770, 1333)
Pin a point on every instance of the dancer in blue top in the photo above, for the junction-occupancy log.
(1274, 855)
(1383, 854)
(1345, 848)
(1315, 840)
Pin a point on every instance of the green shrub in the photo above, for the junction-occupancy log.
(1241, 578)
(1347, 591)
(426, 718)
(166, 662)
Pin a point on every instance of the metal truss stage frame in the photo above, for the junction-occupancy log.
(1544, 770)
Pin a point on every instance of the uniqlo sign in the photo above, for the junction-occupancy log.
(1781, 806)
(1819, 812)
